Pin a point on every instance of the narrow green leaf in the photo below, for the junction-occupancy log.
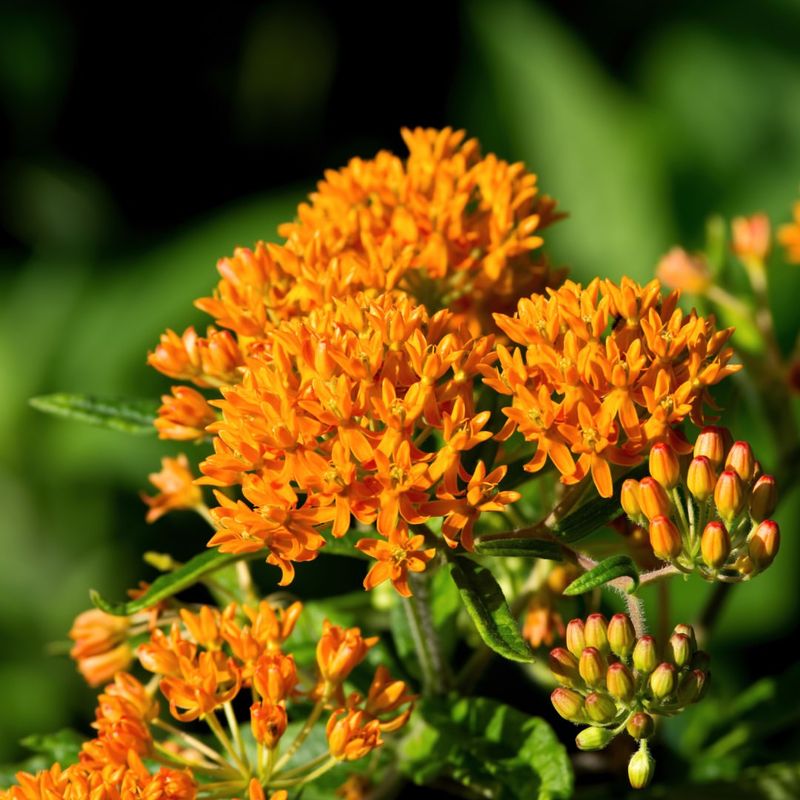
(62, 746)
(519, 546)
(486, 604)
(134, 416)
(605, 571)
(173, 582)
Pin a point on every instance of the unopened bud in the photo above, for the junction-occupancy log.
(568, 703)
(640, 726)
(629, 499)
(763, 543)
(576, 641)
(664, 466)
(679, 649)
(751, 237)
(692, 686)
(744, 565)
(763, 498)
(653, 498)
(593, 738)
(564, 667)
(600, 708)
(621, 635)
(712, 442)
(645, 655)
(596, 632)
(701, 660)
(686, 630)
(715, 544)
(641, 768)
(620, 682)
(729, 495)
(741, 460)
(592, 667)
(701, 478)
(663, 681)
(665, 538)
(678, 270)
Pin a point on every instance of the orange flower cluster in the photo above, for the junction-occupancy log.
(337, 409)
(603, 373)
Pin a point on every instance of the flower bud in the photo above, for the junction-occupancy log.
(715, 544)
(653, 498)
(645, 656)
(564, 667)
(641, 768)
(712, 443)
(701, 660)
(692, 686)
(686, 630)
(663, 681)
(664, 466)
(593, 738)
(729, 495)
(621, 635)
(592, 666)
(763, 498)
(596, 632)
(763, 543)
(751, 237)
(629, 499)
(741, 460)
(679, 649)
(600, 708)
(701, 478)
(620, 683)
(568, 703)
(576, 641)
(665, 539)
(268, 722)
(678, 270)
(640, 726)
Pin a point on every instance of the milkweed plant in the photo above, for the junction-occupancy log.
(405, 379)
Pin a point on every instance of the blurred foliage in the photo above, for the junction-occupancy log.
(698, 114)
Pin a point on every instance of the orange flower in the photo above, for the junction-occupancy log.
(543, 624)
(751, 238)
(356, 787)
(397, 557)
(339, 651)
(789, 236)
(353, 736)
(184, 415)
(101, 645)
(176, 487)
(275, 677)
(386, 696)
(678, 270)
(268, 722)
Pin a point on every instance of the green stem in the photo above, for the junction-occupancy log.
(224, 740)
(237, 734)
(192, 742)
(312, 776)
(302, 735)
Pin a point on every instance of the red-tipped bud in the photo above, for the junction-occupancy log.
(665, 538)
(763, 498)
(712, 442)
(629, 499)
(763, 543)
(664, 466)
(564, 667)
(641, 767)
(592, 667)
(679, 649)
(715, 544)
(686, 630)
(576, 641)
(663, 681)
(645, 655)
(600, 708)
(701, 478)
(653, 498)
(741, 460)
(692, 687)
(620, 682)
(596, 632)
(640, 726)
(729, 495)
(621, 635)
(568, 703)
(593, 738)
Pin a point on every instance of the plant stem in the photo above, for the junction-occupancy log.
(237, 734)
(329, 764)
(192, 742)
(636, 613)
(302, 735)
(435, 670)
(224, 740)
(712, 610)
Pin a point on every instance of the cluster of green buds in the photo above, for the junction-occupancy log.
(707, 512)
(612, 681)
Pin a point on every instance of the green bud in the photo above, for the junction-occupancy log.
(663, 681)
(596, 632)
(621, 635)
(686, 630)
(645, 655)
(576, 641)
(640, 726)
(592, 667)
(600, 708)
(641, 767)
(620, 682)
(568, 703)
(564, 667)
(692, 687)
(593, 738)
(679, 649)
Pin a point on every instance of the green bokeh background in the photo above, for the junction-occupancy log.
(641, 119)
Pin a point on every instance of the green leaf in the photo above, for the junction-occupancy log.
(62, 746)
(519, 546)
(488, 746)
(343, 545)
(173, 582)
(133, 416)
(486, 604)
(607, 570)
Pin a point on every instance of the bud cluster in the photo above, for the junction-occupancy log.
(612, 681)
(708, 513)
